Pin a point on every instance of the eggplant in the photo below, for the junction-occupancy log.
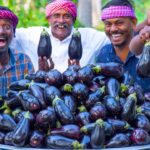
(21, 131)
(74, 67)
(85, 142)
(98, 111)
(62, 111)
(50, 92)
(69, 130)
(109, 130)
(140, 137)
(19, 85)
(95, 97)
(30, 76)
(93, 86)
(109, 69)
(80, 91)
(8, 138)
(112, 105)
(147, 96)
(7, 123)
(38, 93)
(29, 102)
(129, 108)
(141, 121)
(61, 142)
(82, 118)
(143, 64)
(101, 80)
(119, 140)
(98, 135)
(119, 125)
(46, 118)
(87, 129)
(70, 101)
(44, 46)
(113, 87)
(54, 77)
(85, 74)
(75, 46)
(37, 139)
(2, 136)
(40, 76)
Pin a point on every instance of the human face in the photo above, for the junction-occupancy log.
(61, 24)
(6, 34)
(120, 30)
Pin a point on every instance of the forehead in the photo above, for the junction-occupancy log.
(124, 19)
(61, 11)
(6, 21)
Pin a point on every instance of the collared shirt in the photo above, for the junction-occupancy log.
(107, 54)
(19, 65)
(27, 39)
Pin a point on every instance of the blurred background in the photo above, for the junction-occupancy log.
(31, 12)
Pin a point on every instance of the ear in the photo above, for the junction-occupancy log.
(134, 22)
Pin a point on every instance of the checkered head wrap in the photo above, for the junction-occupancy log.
(7, 14)
(117, 11)
(61, 4)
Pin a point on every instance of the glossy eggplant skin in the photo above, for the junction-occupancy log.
(119, 140)
(2, 136)
(110, 69)
(70, 131)
(75, 46)
(61, 142)
(143, 68)
(85, 142)
(8, 138)
(44, 46)
(7, 123)
(98, 135)
(62, 111)
(129, 108)
(147, 96)
(40, 76)
(21, 131)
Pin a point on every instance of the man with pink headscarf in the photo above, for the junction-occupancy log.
(61, 15)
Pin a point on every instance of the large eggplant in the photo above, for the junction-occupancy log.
(2, 136)
(62, 111)
(7, 123)
(69, 130)
(143, 66)
(8, 138)
(44, 46)
(21, 131)
(75, 46)
(61, 142)
(110, 69)
(85, 142)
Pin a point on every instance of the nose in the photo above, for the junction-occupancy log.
(113, 28)
(2, 30)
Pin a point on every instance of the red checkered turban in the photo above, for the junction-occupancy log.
(6, 14)
(61, 4)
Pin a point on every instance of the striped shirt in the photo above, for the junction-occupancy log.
(19, 65)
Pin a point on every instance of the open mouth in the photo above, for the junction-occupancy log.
(3, 42)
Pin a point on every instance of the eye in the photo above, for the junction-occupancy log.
(67, 16)
(7, 27)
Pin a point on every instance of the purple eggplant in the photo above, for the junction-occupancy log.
(37, 139)
(7, 123)
(140, 137)
(87, 129)
(85, 142)
(40, 76)
(69, 130)
(62, 111)
(143, 68)
(50, 92)
(21, 131)
(61, 142)
(30, 76)
(147, 96)
(129, 108)
(54, 77)
(44, 46)
(75, 46)
(110, 69)
(98, 111)
(101, 80)
(38, 93)
(119, 140)
(8, 138)
(2, 136)
(98, 135)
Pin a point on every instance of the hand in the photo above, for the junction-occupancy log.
(73, 62)
(43, 64)
(145, 34)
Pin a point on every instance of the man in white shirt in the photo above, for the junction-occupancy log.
(61, 15)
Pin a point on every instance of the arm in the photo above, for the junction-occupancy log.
(138, 42)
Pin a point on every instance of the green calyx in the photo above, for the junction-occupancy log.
(68, 87)
(100, 122)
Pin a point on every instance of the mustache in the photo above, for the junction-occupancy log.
(61, 24)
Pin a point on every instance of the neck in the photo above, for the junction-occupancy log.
(4, 58)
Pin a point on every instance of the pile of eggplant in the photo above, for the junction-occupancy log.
(91, 107)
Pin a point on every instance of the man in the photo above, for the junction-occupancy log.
(13, 64)
(61, 15)
(120, 21)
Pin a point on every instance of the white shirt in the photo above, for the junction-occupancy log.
(27, 39)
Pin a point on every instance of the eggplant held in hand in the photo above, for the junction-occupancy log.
(143, 66)
(44, 47)
(75, 46)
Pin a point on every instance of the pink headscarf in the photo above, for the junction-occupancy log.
(6, 14)
(117, 11)
(61, 4)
